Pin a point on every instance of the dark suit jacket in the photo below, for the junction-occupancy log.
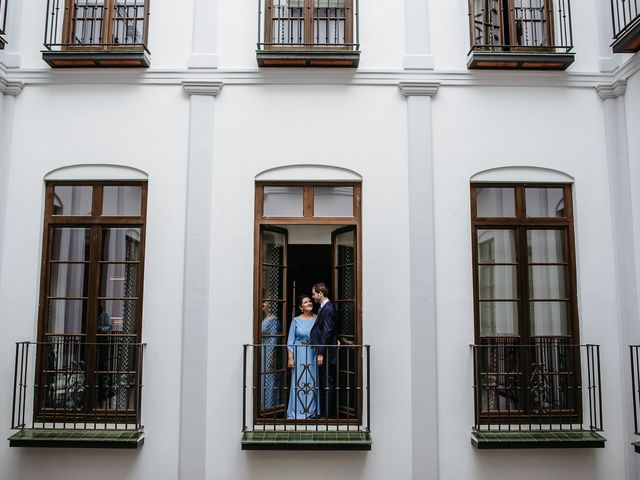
(324, 329)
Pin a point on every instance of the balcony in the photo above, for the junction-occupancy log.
(290, 408)
(634, 350)
(626, 25)
(89, 33)
(3, 23)
(84, 395)
(546, 395)
(308, 33)
(520, 34)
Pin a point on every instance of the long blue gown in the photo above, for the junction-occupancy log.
(304, 395)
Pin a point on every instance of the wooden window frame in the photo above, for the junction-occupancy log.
(96, 222)
(308, 40)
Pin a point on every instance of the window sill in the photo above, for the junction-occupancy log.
(60, 438)
(519, 60)
(308, 58)
(306, 441)
(537, 439)
(630, 41)
(97, 58)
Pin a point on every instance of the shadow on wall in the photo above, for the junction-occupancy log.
(69, 463)
(295, 465)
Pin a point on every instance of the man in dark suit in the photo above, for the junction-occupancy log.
(323, 335)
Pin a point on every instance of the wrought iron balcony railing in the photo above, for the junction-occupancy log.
(4, 5)
(550, 386)
(530, 32)
(625, 15)
(68, 384)
(96, 33)
(634, 351)
(286, 396)
(308, 33)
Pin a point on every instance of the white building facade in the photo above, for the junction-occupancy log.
(448, 197)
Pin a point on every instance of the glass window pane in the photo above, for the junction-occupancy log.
(72, 199)
(70, 244)
(496, 202)
(117, 316)
(122, 200)
(547, 246)
(120, 244)
(333, 201)
(68, 280)
(545, 202)
(283, 202)
(119, 280)
(547, 282)
(549, 318)
(498, 319)
(66, 316)
(496, 246)
(497, 282)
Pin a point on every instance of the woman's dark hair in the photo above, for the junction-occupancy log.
(302, 297)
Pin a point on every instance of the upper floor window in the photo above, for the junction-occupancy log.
(109, 33)
(308, 33)
(533, 34)
(626, 25)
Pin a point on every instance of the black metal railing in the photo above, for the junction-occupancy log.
(549, 385)
(285, 389)
(634, 351)
(524, 26)
(308, 25)
(4, 5)
(624, 14)
(90, 25)
(78, 385)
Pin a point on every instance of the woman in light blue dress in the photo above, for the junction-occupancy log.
(304, 394)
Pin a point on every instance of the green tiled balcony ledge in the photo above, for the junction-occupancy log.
(537, 439)
(283, 440)
(636, 445)
(59, 438)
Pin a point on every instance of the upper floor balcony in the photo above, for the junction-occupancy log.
(626, 25)
(291, 402)
(634, 351)
(4, 5)
(96, 33)
(71, 393)
(308, 33)
(520, 34)
(544, 395)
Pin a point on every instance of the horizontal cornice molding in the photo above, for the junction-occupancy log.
(613, 90)
(424, 89)
(196, 80)
(202, 87)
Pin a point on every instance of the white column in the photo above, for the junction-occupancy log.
(8, 93)
(204, 50)
(424, 390)
(622, 215)
(195, 310)
(418, 41)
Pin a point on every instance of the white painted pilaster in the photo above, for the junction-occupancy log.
(8, 93)
(622, 216)
(424, 399)
(418, 40)
(204, 51)
(195, 310)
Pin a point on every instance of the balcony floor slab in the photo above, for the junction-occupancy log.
(66, 438)
(537, 439)
(283, 440)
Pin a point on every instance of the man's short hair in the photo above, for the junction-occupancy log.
(321, 288)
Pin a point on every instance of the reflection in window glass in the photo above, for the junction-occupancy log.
(496, 202)
(283, 201)
(72, 200)
(121, 200)
(549, 318)
(70, 244)
(496, 246)
(545, 202)
(498, 319)
(546, 246)
(333, 201)
(120, 244)
(66, 316)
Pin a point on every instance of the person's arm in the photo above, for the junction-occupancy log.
(327, 328)
(290, 341)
